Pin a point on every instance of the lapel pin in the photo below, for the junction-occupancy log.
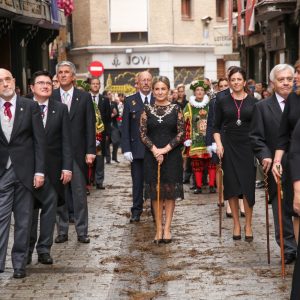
(77, 99)
(21, 109)
(53, 111)
(133, 102)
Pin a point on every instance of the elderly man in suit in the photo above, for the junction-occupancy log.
(132, 146)
(58, 165)
(263, 135)
(83, 136)
(22, 168)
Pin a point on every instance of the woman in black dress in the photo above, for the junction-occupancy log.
(162, 131)
(289, 119)
(294, 158)
(233, 115)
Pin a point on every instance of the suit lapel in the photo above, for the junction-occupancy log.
(74, 104)
(275, 108)
(19, 113)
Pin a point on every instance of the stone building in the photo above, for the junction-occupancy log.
(182, 39)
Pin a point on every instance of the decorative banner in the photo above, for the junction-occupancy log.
(223, 41)
(249, 17)
(240, 21)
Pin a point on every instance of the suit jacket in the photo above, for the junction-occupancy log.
(222, 94)
(83, 131)
(131, 137)
(26, 147)
(264, 133)
(105, 111)
(58, 145)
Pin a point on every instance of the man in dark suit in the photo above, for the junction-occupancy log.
(58, 165)
(105, 111)
(263, 135)
(83, 136)
(22, 168)
(132, 146)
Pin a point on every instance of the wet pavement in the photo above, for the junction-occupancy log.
(121, 262)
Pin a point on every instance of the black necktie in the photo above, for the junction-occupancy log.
(42, 107)
(146, 100)
(94, 98)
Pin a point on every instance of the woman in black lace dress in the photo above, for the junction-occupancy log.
(162, 131)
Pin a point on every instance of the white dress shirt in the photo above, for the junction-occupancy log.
(281, 101)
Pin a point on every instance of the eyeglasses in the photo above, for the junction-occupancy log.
(6, 79)
(48, 83)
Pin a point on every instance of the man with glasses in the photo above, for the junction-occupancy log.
(22, 169)
(58, 166)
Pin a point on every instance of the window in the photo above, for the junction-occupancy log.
(220, 10)
(186, 9)
(129, 37)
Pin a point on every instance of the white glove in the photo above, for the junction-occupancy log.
(187, 143)
(128, 156)
(209, 150)
(97, 143)
(214, 147)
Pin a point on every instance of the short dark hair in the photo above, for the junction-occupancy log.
(40, 73)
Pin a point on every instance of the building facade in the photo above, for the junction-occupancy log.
(26, 30)
(181, 39)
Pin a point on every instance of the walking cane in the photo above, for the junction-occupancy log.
(267, 214)
(220, 192)
(158, 194)
(279, 197)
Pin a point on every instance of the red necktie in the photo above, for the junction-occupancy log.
(7, 111)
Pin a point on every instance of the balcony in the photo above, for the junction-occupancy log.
(270, 9)
(35, 12)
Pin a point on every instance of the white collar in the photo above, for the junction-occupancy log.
(12, 101)
(198, 104)
(70, 91)
(279, 98)
(44, 103)
(144, 96)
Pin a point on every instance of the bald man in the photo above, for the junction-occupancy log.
(132, 146)
(22, 168)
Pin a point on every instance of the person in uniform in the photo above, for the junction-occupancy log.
(195, 115)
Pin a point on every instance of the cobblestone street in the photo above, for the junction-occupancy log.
(121, 262)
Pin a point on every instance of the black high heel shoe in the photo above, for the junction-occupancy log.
(157, 242)
(248, 238)
(237, 237)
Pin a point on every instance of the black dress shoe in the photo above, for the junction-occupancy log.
(289, 258)
(193, 187)
(71, 220)
(115, 160)
(134, 219)
(45, 258)
(185, 181)
(212, 189)
(29, 258)
(83, 239)
(198, 191)
(61, 238)
(228, 215)
(100, 187)
(237, 237)
(19, 273)
(167, 241)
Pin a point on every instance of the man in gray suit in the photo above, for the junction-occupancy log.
(22, 159)
(263, 135)
(83, 136)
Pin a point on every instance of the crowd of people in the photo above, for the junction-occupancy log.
(65, 134)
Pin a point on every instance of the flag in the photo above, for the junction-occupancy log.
(249, 17)
(66, 5)
(54, 14)
(230, 17)
(240, 21)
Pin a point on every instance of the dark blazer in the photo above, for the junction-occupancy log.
(209, 139)
(222, 94)
(131, 137)
(58, 145)
(26, 147)
(264, 133)
(83, 131)
(105, 111)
